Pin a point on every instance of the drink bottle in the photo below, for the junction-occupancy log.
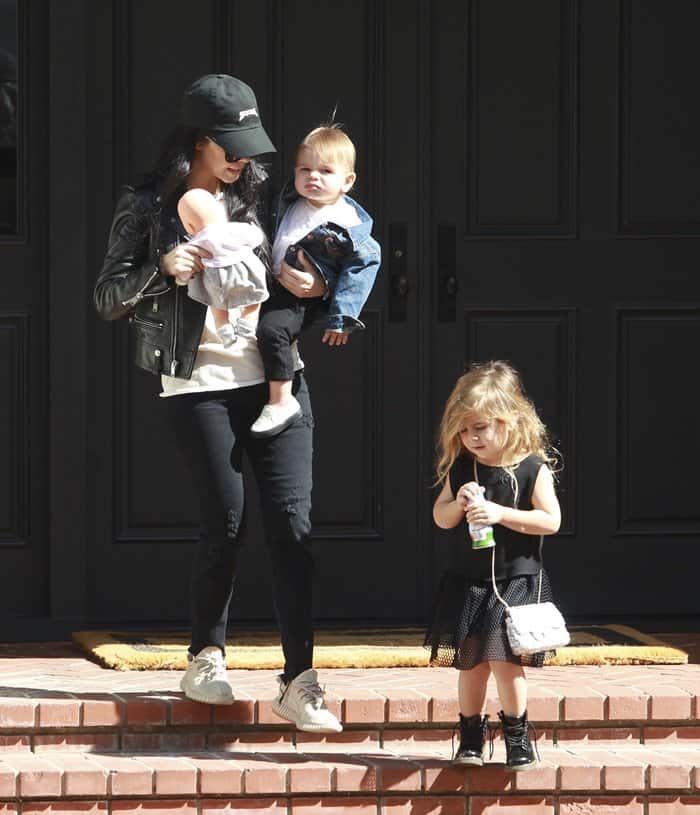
(482, 536)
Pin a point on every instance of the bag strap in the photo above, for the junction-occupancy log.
(493, 559)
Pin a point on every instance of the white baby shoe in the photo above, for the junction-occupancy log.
(273, 419)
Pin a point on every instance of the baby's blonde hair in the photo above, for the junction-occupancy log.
(493, 390)
(333, 146)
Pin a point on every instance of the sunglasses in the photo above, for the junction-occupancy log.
(230, 157)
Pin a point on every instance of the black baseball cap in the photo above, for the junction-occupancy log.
(227, 109)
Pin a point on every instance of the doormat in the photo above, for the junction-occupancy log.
(359, 648)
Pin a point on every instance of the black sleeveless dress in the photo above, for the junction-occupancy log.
(468, 624)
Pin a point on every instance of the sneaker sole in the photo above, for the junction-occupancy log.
(469, 762)
(523, 767)
(283, 712)
(195, 697)
(265, 434)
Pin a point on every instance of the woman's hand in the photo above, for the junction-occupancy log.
(466, 493)
(183, 262)
(308, 283)
(485, 514)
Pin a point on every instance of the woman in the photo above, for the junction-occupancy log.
(216, 392)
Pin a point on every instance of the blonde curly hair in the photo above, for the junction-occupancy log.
(494, 391)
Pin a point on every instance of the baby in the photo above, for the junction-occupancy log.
(333, 232)
(233, 277)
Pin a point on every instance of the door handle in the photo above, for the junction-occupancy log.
(448, 284)
(399, 284)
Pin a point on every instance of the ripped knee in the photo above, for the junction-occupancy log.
(290, 519)
(233, 524)
(220, 539)
(221, 542)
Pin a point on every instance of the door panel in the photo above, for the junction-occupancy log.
(552, 274)
(520, 141)
(365, 513)
(24, 455)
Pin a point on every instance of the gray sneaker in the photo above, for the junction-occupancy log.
(245, 329)
(205, 678)
(301, 702)
(227, 334)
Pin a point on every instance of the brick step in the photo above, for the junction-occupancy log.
(638, 780)
(46, 720)
(234, 737)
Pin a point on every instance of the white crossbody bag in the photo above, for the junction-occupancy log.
(534, 627)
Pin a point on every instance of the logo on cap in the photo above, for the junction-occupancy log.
(250, 112)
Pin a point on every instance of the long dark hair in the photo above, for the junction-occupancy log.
(242, 199)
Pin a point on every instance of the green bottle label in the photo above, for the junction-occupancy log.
(485, 539)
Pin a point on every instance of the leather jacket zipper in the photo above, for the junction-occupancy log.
(135, 318)
(140, 294)
(173, 361)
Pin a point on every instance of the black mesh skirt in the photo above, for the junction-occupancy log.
(469, 626)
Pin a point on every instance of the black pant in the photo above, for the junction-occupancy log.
(212, 430)
(282, 319)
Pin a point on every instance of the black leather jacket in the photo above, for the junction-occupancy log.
(166, 324)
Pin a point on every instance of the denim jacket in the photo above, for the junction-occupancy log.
(347, 258)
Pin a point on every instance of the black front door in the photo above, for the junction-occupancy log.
(532, 172)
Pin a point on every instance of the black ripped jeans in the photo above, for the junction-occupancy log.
(212, 431)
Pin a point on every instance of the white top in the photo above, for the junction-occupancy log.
(217, 368)
(302, 217)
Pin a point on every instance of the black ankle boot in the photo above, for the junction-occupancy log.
(472, 735)
(519, 751)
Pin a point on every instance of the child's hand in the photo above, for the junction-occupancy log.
(335, 337)
(306, 283)
(466, 493)
(486, 514)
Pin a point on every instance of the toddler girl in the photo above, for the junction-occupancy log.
(492, 441)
